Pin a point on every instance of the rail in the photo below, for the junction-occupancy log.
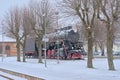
(6, 77)
(28, 77)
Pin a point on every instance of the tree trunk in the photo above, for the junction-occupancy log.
(18, 49)
(101, 45)
(102, 49)
(96, 50)
(40, 51)
(110, 48)
(24, 59)
(103, 54)
(90, 50)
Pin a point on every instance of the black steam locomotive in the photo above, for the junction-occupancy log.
(63, 43)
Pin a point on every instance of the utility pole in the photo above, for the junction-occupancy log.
(2, 46)
(2, 41)
(44, 25)
(57, 13)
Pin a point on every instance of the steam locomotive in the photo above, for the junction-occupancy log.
(63, 43)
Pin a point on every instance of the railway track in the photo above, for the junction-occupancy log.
(16, 75)
(7, 76)
(3, 77)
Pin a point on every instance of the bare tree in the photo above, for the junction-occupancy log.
(12, 24)
(42, 17)
(99, 32)
(108, 12)
(25, 28)
(99, 35)
(86, 11)
(117, 33)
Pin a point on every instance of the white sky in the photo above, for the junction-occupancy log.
(5, 5)
(66, 70)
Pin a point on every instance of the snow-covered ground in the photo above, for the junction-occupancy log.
(2, 78)
(65, 70)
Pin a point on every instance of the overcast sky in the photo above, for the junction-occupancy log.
(5, 5)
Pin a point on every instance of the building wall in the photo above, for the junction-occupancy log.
(8, 48)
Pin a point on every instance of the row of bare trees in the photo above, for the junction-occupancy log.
(33, 20)
(29, 21)
(106, 11)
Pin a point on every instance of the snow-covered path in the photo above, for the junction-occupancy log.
(66, 70)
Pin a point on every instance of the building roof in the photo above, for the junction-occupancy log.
(6, 39)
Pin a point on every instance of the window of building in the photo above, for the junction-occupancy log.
(7, 47)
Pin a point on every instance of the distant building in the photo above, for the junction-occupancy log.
(8, 48)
